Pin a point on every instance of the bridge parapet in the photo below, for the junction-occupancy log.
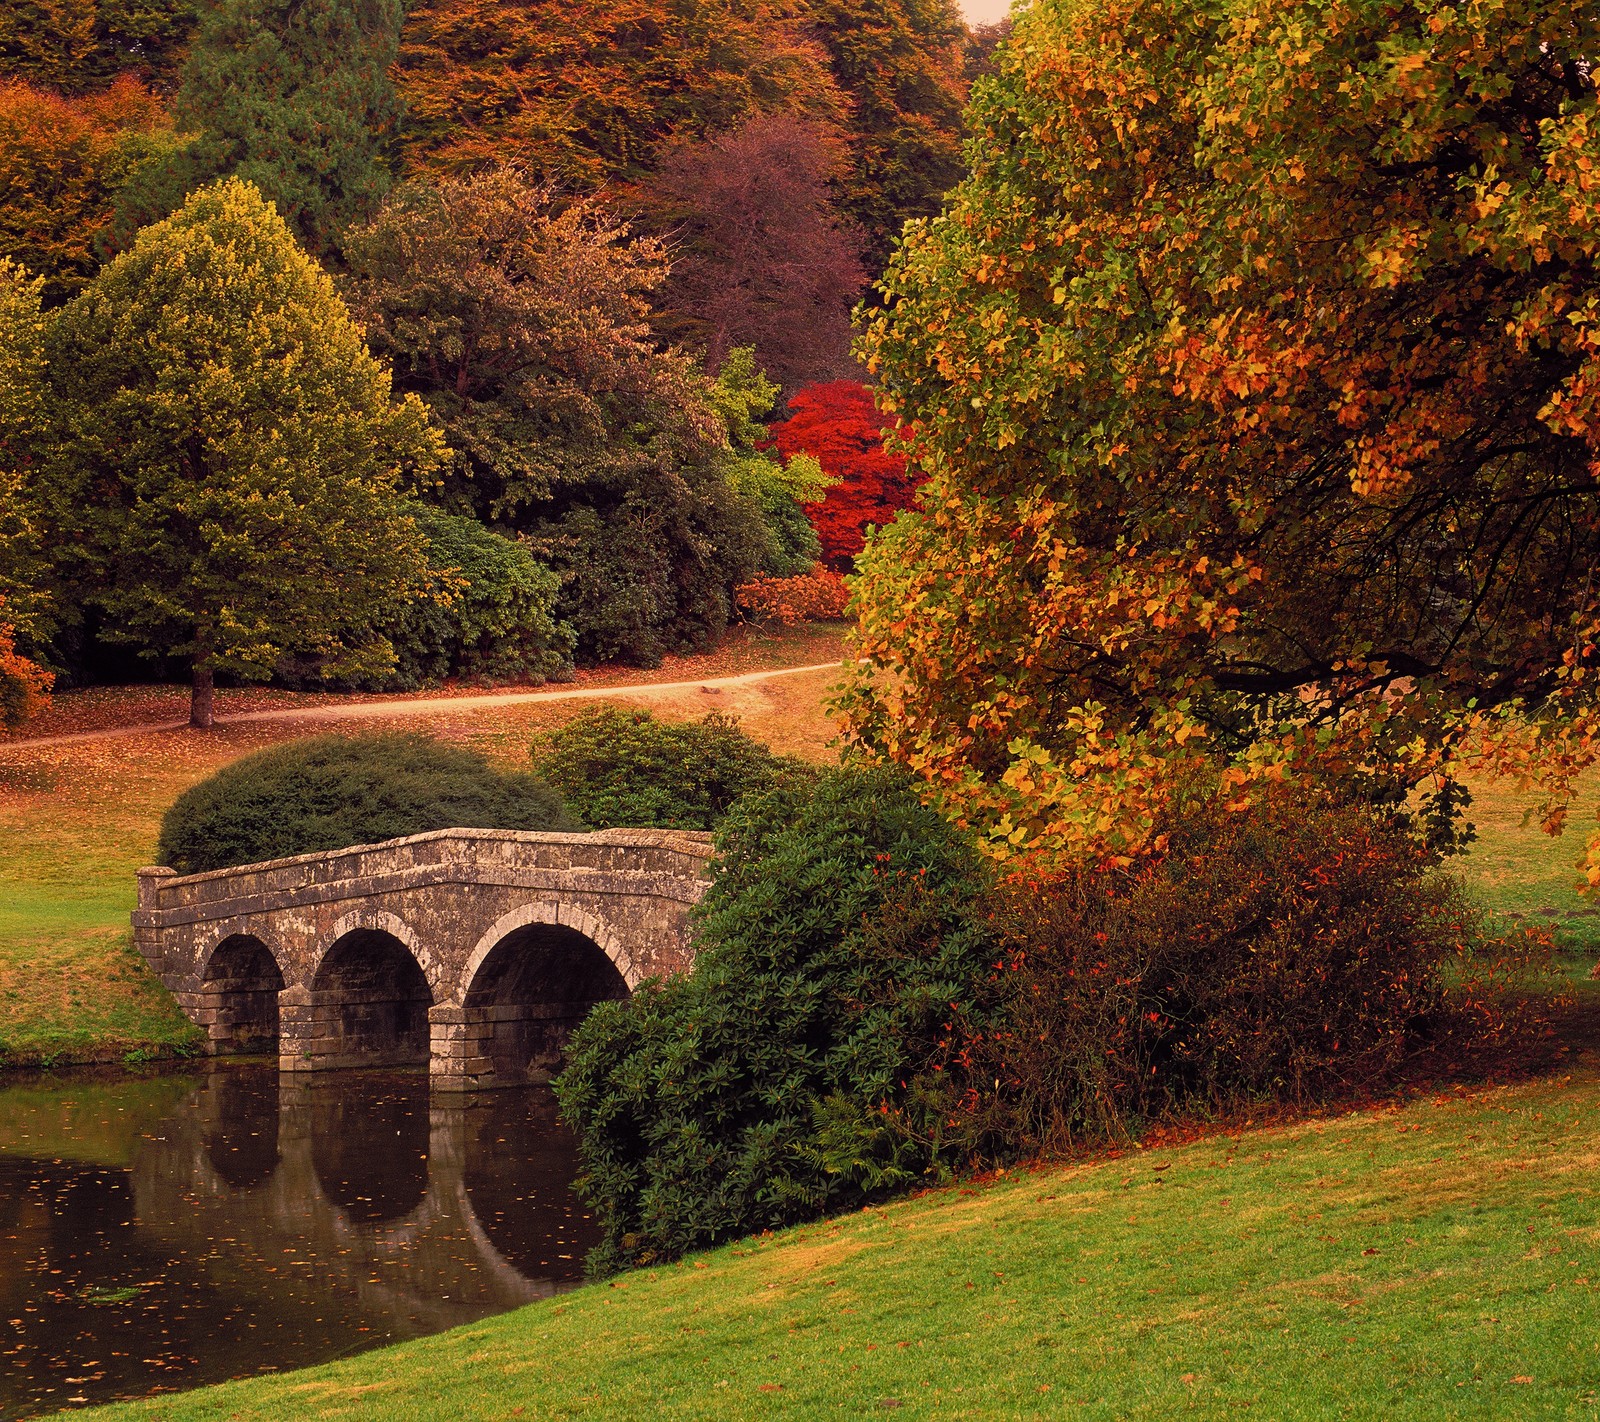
(484, 947)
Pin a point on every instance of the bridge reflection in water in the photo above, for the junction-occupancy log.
(246, 1221)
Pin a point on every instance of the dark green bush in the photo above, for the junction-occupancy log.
(784, 1077)
(617, 766)
(333, 791)
(498, 626)
(490, 617)
(1291, 952)
(649, 556)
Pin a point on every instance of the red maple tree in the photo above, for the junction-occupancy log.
(838, 425)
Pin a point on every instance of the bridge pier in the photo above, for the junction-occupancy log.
(458, 1060)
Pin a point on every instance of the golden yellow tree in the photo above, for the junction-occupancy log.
(1256, 367)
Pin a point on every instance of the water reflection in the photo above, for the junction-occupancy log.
(166, 1234)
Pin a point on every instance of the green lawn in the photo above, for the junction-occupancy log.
(1436, 1261)
(1517, 869)
(72, 988)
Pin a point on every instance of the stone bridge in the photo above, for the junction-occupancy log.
(475, 951)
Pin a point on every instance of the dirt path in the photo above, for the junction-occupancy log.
(422, 706)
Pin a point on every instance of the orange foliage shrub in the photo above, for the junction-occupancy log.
(23, 684)
(1293, 952)
(817, 596)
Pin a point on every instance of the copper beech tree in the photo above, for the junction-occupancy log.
(1256, 367)
(761, 256)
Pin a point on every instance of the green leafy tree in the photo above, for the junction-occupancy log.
(80, 46)
(46, 41)
(1257, 372)
(64, 164)
(293, 96)
(22, 404)
(493, 617)
(522, 321)
(23, 601)
(902, 65)
(740, 394)
(329, 792)
(145, 37)
(789, 1074)
(226, 468)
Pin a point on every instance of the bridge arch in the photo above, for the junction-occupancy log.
(236, 998)
(529, 981)
(368, 997)
(380, 921)
(550, 913)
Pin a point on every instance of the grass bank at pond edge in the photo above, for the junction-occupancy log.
(1437, 1260)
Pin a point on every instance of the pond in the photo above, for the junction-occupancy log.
(166, 1232)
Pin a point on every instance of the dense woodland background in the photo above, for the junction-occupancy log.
(612, 251)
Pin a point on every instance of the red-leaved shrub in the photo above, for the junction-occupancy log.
(840, 427)
(1292, 952)
(817, 596)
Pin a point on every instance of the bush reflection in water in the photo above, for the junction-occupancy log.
(180, 1230)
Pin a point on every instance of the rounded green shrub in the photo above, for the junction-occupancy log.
(786, 1075)
(329, 792)
(498, 624)
(618, 766)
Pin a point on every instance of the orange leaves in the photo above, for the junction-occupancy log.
(23, 685)
(62, 162)
(817, 596)
(486, 81)
(1279, 458)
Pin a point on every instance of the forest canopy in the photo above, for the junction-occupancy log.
(599, 246)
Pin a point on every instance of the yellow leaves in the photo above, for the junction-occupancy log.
(1589, 865)
(1204, 366)
(1391, 257)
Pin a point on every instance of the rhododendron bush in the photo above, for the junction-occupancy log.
(1256, 372)
(838, 425)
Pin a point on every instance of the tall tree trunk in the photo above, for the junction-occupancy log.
(202, 690)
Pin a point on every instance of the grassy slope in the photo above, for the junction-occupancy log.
(1437, 1261)
(77, 820)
